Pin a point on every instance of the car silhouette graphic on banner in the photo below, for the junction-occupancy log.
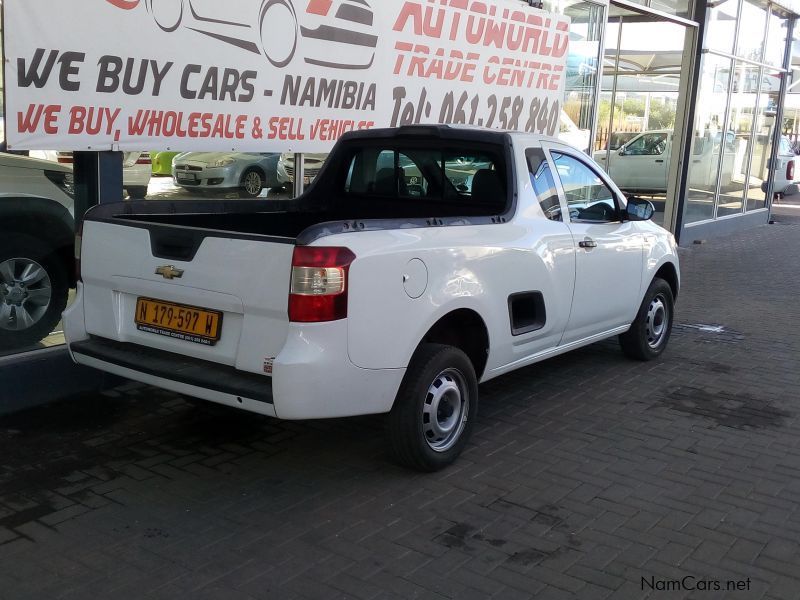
(335, 34)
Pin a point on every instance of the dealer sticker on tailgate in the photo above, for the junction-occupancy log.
(189, 323)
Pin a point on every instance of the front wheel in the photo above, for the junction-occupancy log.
(252, 184)
(649, 333)
(435, 408)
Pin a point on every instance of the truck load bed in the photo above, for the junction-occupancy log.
(364, 184)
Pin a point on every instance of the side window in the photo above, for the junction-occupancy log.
(543, 184)
(588, 198)
(785, 149)
(650, 144)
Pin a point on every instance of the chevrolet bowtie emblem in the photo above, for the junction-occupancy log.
(169, 272)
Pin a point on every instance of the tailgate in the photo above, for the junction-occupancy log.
(226, 286)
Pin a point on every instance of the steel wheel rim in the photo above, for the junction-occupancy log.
(445, 410)
(252, 183)
(657, 322)
(25, 293)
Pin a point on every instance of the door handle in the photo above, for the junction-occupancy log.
(660, 160)
(588, 244)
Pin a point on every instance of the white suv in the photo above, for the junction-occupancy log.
(36, 247)
(137, 169)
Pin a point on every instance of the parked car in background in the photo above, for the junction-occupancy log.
(136, 169)
(37, 233)
(312, 164)
(641, 165)
(365, 296)
(162, 162)
(247, 173)
(787, 170)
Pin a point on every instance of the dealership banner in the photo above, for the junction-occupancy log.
(273, 75)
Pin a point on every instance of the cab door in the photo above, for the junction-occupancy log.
(642, 163)
(609, 250)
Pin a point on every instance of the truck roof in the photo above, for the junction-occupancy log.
(455, 132)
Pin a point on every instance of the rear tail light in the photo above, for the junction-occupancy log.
(78, 248)
(144, 159)
(65, 158)
(319, 284)
(790, 170)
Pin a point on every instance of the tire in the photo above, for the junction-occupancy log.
(649, 333)
(137, 192)
(414, 440)
(252, 180)
(21, 254)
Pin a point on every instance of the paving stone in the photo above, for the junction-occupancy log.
(586, 473)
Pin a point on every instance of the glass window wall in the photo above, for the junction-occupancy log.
(583, 68)
(709, 138)
(738, 101)
(752, 27)
(721, 20)
(736, 155)
(764, 132)
(777, 31)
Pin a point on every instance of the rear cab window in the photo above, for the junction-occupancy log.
(451, 175)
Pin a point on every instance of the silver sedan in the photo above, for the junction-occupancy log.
(248, 173)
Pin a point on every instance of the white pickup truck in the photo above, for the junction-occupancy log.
(641, 165)
(422, 261)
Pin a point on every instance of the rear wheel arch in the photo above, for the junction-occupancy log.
(253, 169)
(44, 220)
(465, 329)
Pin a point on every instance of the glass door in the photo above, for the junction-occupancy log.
(644, 88)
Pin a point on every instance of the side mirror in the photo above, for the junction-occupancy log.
(640, 210)
(621, 151)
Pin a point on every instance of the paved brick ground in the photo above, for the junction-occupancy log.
(587, 474)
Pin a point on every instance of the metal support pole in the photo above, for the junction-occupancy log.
(98, 179)
(299, 175)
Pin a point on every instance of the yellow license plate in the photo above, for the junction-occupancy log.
(179, 321)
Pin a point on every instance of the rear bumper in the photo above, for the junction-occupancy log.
(190, 376)
(202, 176)
(312, 376)
(181, 369)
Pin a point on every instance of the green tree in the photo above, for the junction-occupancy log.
(662, 115)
